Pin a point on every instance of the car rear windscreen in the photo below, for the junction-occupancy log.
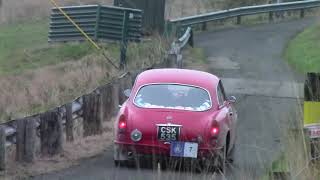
(173, 96)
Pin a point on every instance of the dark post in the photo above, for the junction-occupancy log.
(99, 116)
(2, 148)
(115, 97)
(191, 42)
(171, 61)
(87, 106)
(124, 43)
(302, 13)
(92, 120)
(121, 90)
(238, 20)
(51, 133)
(69, 122)
(270, 16)
(107, 104)
(204, 26)
(20, 146)
(30, 139)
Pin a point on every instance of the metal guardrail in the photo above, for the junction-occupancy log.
(11, 126)
(179, 44)
(242, 11)
(99, 22)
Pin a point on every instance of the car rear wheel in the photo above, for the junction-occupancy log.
(232, 154)
(118, 163)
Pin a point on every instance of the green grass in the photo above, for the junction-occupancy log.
(303, 52)
(24, 46)
(279, 165)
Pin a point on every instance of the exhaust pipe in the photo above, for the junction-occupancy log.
(130, 154)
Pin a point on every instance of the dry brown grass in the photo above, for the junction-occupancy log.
(35, 91)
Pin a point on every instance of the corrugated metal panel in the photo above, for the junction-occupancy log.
(99, 22)
(153, 10)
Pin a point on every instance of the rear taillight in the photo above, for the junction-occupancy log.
(214, 131)
(122, 123)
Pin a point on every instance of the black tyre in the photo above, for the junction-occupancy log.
(118, 163)
(231, 155)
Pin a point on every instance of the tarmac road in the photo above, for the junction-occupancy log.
(249, 60)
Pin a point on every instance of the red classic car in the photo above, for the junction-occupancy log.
(176, 113)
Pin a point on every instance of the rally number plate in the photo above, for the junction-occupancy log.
(184, 149)
(168, 133)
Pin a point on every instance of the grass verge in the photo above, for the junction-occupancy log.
(24, 46)
(36, 76)
(195, 58)
(303, 51)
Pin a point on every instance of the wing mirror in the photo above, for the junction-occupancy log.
(127, 92)
(232, 99)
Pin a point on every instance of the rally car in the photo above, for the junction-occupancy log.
(176, 113)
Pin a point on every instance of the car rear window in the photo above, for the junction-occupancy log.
(173, 96)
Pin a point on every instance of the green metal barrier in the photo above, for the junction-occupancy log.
(99, 22)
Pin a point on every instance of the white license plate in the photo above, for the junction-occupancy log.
(183, 149)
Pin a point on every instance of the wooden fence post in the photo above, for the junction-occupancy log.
(100, 115)
(20, 145)
(51, 133)
(302, 13)
(2, 148)
(172, 61)
(107, 103)
(115, 98)
(121, 89)
(238, 20)
(92, 114)
(204, 26)
(270, 16)
(30, 139)
(69, 122)
(87, 113)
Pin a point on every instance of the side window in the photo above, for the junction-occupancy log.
(221, 94)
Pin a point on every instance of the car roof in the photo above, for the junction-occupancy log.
(179, 76)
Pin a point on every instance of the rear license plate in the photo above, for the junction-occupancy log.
(168, 133)
(184, 149)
